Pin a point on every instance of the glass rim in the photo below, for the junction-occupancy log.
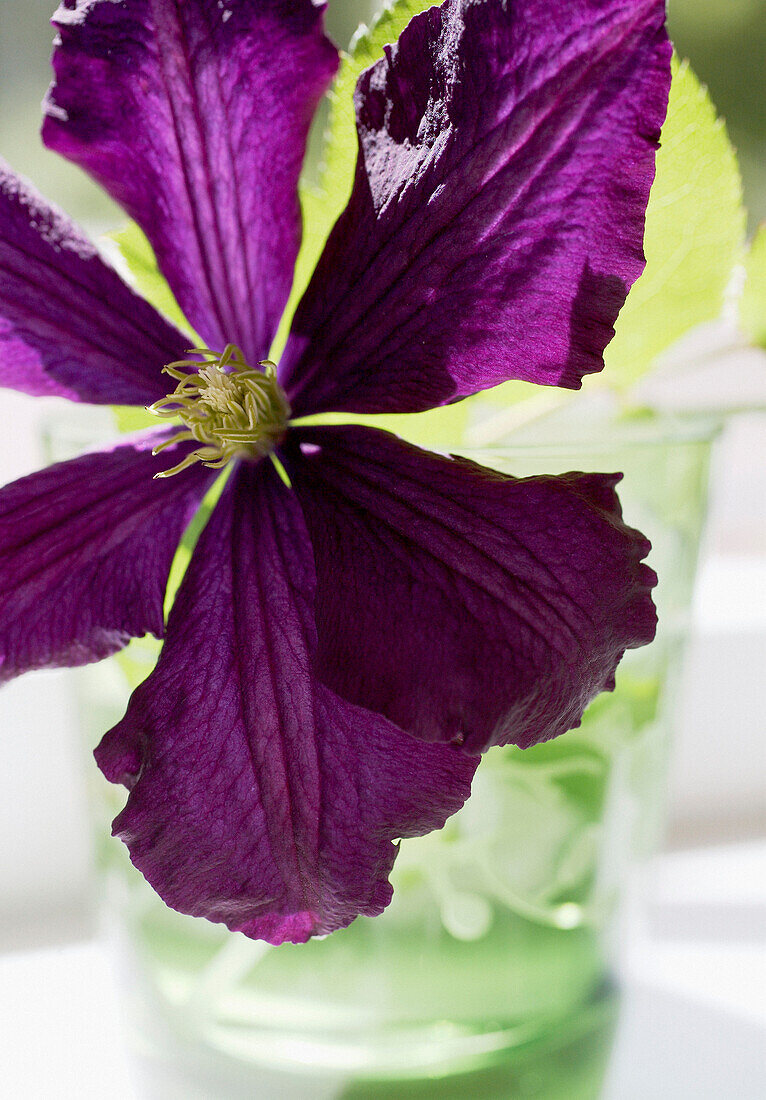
(604, 435)
(655, 431)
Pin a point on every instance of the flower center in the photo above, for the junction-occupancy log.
(235, 411)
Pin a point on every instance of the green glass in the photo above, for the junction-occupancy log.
(490, 975)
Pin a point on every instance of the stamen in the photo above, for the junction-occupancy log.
(234, 410)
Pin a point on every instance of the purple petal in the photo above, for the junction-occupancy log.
(465, 605)
(259, 798)
(85, 552)
(68, 324)
(496, 221)
(194, 117)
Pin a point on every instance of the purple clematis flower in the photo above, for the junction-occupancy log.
(342, 647)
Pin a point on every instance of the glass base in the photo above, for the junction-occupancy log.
(565, 1059)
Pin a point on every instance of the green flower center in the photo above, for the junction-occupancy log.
(234, 410)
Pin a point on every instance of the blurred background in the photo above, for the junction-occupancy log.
(717, 795)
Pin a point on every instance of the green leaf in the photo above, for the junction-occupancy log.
(322, 206)
(146, 276)
(695, 231)
(753, 304)
(130, 418)
(441, 428)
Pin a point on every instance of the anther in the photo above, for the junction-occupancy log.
(231, 408)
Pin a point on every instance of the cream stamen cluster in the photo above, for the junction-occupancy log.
(233, 409)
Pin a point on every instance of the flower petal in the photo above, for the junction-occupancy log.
(194, 117)
(496, 222)
(85, 552)
(463, 604)
(259, 798)
(68, 323)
